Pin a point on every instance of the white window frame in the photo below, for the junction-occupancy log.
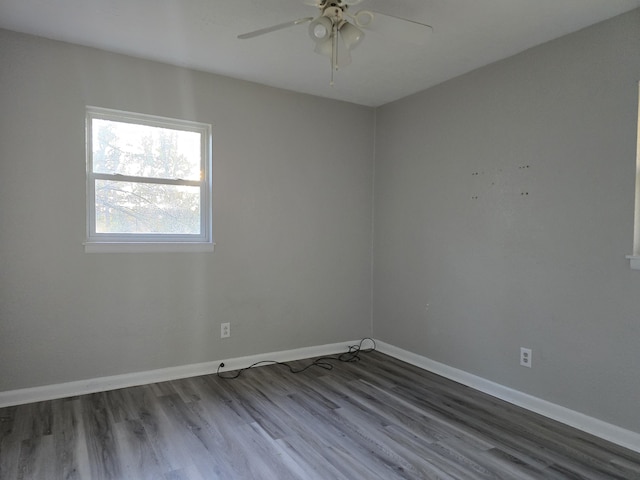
(133, 242)
(635, 258)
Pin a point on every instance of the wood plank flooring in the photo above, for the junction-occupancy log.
(374, 419)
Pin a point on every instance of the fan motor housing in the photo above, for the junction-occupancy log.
(333, 12)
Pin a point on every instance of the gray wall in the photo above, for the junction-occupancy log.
(292, 222)
(504, 201)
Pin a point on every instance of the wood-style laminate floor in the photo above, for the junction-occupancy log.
(375, 419)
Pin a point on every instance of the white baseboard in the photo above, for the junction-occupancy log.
(599, 428)
(81, 387)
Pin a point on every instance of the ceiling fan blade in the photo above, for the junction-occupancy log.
(399, 28)
(274, 28)
(406, 20)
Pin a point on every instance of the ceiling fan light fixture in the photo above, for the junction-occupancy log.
(324, 47)
(336, 31)
(351, 35)
(320, 29)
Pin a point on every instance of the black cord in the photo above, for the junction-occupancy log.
(351, 355)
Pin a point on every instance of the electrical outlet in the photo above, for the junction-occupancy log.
(225, 330)
(525, 357)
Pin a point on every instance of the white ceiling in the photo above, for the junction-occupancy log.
(389, 64)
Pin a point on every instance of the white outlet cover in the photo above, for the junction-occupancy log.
(525, 357)
(225, 330)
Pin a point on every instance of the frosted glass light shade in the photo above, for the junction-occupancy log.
(324, 47)
(320, 29)
(351, 35)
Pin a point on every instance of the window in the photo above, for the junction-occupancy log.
(148, 183)
(635, 258)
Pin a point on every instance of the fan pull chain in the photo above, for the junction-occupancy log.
(334, 50)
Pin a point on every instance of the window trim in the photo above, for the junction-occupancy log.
(634, 259)
(133, 242)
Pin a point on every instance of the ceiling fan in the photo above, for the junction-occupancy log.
(334, 35)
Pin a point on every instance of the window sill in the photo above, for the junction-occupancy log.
(634, 260)
(111, 247)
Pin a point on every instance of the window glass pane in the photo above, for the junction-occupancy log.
(145, 151)
(131, 207)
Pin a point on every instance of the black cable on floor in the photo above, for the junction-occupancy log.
(351, 355)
